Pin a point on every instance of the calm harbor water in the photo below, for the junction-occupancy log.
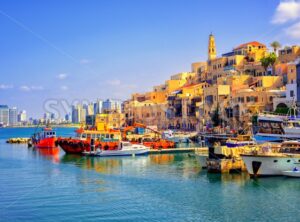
(40, 186)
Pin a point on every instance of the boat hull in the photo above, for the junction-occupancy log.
(291, 173)
(106, 153)
(269, 165)
(46, 143)
(75, 146)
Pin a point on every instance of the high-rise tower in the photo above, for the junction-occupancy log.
(212, 52)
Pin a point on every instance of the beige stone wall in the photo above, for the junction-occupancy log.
(289, 54)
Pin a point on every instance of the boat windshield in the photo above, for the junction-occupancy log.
(48, 134)
(100, 136)
(125, 144)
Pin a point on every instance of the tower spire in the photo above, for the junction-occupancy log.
(212, 52)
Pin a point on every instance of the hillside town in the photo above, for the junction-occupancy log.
(225, 91)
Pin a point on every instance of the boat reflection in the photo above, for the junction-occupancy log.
(48, 153)
(171, 164)
(162, 158)
(105, 165)
(236, 178)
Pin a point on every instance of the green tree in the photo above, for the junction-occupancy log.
(268, 60)
(275, 45)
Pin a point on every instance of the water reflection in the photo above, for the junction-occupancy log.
(47, 153)
(178, 164)
(106, 165)
(237, 178)
(162, 158)
(171, 165)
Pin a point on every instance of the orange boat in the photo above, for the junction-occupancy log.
(154, 143)
(85, 139)
(44, 139)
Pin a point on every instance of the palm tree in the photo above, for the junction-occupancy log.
(275, 45)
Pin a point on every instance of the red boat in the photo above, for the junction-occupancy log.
(103, 140)
(44, 139)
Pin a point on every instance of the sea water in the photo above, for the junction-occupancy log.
(41, 186)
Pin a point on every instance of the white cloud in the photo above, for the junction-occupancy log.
(37, 87)
(293, 31)
(85, 61)
(26, 88)
(3, 86)
(114, 82)
(62, 76)
(286, 11)
(64, 88)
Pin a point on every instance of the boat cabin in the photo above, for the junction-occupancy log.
(104, 136)
(290, 147)
(45, 133)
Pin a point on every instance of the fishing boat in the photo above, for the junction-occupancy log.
(44, 139)
(273, 160)
(124, 149)
(106, 140)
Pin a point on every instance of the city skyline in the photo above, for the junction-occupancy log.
(94, 52)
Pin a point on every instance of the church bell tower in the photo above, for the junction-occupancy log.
(212, 52)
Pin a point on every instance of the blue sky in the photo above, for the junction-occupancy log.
(76, 50)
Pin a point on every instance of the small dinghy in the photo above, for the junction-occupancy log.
(292, 173)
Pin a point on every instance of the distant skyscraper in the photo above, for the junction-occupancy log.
(13, 116)
(90, 109)
(98, 106)
(110, 105)
(79, 113)
(68, 117)
(52, 116)
(4, 115)
(75, 115)
(47, 117)
(22, 117)
(83, 112)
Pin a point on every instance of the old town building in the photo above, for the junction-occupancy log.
(232, 87)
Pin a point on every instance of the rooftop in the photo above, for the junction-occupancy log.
(254, 43)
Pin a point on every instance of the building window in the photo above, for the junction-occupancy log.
(292, 93)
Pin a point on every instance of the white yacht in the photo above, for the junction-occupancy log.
(277, 128)
(273, 160)
(124, 149)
